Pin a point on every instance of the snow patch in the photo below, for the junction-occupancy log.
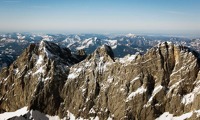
(80, 48)
(40, 70)
(110, 79)
(8, 115)
(122, 89)
(16, 71)
(79, 70)
(109, 118)
(197, 113)
(75, 73)
(189, 98)
(40, 60)
(114, 47)
(92, 110)
(87, 64)
(48, 78)
(156, 90)
(71, 116)
(5, 79)
(165, 116)
(94, 118)
(42, 47)
(127, 58)
(72, 76)
(83, 90)
(88, 42)
(140, 90)
(101, 65)
(168, 116)
(112, 43)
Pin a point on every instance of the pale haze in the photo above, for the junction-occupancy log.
(162, 16)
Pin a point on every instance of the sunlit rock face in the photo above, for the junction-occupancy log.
(162, 83)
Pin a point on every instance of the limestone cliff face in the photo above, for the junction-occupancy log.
(36, 78)
(54, 81)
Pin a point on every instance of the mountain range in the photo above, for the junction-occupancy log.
(50, 82)
(12, 44)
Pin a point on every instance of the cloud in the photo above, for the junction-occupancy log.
(176, 12)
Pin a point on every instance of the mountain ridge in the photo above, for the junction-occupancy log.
(164, 79)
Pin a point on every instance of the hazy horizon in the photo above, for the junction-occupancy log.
(105, 16)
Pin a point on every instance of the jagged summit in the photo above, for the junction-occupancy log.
(104, 51)
(35, 71)
(51, 49)
(54, 52)
(161, 83)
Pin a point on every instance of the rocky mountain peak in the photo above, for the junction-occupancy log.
(53, 51)
(39, 71)
(161, 83)
(104, 51)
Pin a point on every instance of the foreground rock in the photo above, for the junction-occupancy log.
(162, 83)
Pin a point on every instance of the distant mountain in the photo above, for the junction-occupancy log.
(48, 81)
(122, 45)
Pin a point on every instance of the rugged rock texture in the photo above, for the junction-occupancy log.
(46, 78)
(36, 78)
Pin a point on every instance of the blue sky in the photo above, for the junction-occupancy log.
(166, 16)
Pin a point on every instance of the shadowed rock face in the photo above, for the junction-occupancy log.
(54, 81)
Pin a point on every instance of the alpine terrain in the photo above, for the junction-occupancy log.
(50, 82)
